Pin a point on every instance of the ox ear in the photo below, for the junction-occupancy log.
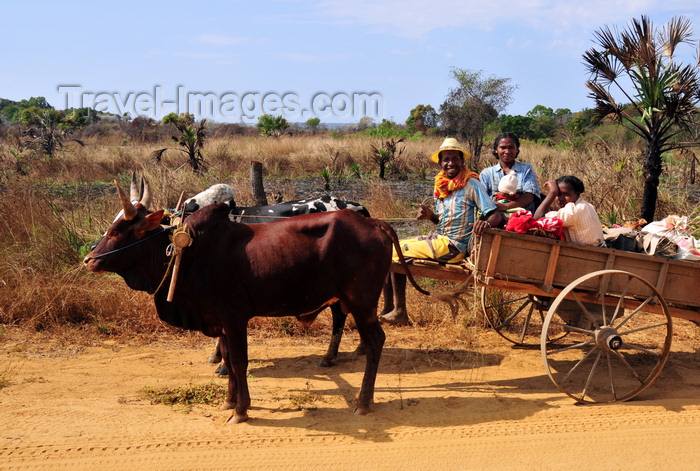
(152, 221)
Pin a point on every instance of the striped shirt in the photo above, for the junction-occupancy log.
(457, 211)
(581, 222)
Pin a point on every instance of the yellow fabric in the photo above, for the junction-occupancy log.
(445, 186)
(431, 247)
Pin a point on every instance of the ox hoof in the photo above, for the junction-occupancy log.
(325, 362)
(214, 358)
(359, 408)
(237, 418)
(227, 405)
(361, 411)
(394, 319)
(221, 370)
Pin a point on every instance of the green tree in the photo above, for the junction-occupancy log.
(543, 124)
(475, 102)
(385, 152)
(81, 117)
(12, 110)
(580, 122)
(313, 124)
(191, 138)
(664, 94)
(562, 116)
(270, 125)
(45, 130)
(519, 125)
(422, 118)
(386, 129)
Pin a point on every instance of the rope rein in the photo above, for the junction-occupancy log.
(164, 229)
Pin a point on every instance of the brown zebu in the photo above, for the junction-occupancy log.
(233, 272)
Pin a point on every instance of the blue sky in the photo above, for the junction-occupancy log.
(146, 57)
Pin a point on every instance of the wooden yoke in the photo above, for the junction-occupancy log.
(181, 239)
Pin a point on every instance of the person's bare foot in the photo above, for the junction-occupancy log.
(394, 318)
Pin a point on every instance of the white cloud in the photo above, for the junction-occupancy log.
(417, 18)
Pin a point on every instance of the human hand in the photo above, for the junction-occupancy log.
(553, 187)
(425, 213)
(479, 226)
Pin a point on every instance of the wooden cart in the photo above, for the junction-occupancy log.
(601, 317)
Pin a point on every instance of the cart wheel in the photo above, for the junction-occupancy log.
(612, 353)
(517, 317)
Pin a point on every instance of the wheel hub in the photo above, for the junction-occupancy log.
(608, 339)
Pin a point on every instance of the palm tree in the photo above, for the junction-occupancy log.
(191, 139)
(46, 130)
(662, 104)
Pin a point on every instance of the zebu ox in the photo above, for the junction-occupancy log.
(260, 214)
(227, 273)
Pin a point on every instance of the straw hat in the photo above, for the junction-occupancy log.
(449, 144)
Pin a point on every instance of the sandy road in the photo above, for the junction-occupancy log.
(84, 408)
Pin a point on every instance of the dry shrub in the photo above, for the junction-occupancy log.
(380, 203)
(51, 214)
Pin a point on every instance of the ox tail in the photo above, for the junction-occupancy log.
(453, 299)
(397, 245)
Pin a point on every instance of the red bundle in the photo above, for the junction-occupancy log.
(523, 223)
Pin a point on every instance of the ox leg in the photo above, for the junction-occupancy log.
(339, 318)
(215, 356)
(373, 338)
(232, 391)
(388, 294)
(237, 355)
(398, 315)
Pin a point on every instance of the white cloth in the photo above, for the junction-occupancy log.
(581, 222)
(508, 184)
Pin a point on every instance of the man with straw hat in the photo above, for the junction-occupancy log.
(459, 197)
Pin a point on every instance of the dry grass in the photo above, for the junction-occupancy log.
(52, 210)
(203, 394)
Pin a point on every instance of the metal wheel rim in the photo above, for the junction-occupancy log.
(615, 324)
(523, 307)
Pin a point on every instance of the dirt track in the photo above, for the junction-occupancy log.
(487, 406)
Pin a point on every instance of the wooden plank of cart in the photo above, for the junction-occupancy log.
(602, 318)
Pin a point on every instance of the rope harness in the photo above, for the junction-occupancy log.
(164, 229)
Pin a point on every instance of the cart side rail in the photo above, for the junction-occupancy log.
(550, 265)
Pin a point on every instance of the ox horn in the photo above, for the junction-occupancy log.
(129, 209)
(146, 193)
(134, 190)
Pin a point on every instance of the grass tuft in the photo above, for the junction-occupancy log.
(202, 394)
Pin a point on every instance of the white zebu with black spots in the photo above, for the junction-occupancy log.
(223, 193)
(219, 193)
(274, 212)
